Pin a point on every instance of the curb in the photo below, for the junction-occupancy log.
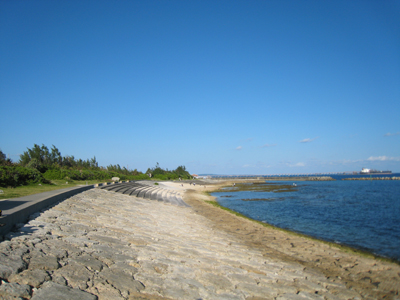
(34, 203)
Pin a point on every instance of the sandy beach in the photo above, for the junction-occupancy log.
(105, 245)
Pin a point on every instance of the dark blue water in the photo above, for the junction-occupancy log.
(361, 214)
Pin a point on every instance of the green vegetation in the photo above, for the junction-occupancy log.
(26, 190)
(41, 165)
(158, 173)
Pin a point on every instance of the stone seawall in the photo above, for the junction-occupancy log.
(104, 245)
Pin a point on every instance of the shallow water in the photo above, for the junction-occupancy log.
(361, 214)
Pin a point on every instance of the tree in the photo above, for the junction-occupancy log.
(4, 161)
(69, 161)
(55, 156)
(41, 154)
(93, 163)
(2, 157)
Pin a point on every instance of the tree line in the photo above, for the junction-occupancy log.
(40, 164)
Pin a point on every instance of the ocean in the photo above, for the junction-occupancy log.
(363, 214)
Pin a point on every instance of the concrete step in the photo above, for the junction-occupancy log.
(154, 193)
(137, 191)
(147, 191)
(172, 198)
(113, 187)
(143, 192)
(129, 189)
(160, 194)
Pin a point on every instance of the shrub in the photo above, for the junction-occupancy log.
(17, 175)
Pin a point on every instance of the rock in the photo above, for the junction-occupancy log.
(51, 290)
(14, 290)
(10, 264)
(31, 277)
(128, 269)
(89, 262)
(122, 281)
(105, 240)
(48, 263)
(60, 247)
(106, 292)
(109, 256)
(220, 283)
(60, 280)
(76, 275)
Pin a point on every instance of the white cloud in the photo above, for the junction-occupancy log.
(308, 140)
(290, 164)
(343, 162)
(268, 145)
(383, 158)
(239, 148)
(392, 134)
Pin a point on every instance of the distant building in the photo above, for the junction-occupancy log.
(200, 176)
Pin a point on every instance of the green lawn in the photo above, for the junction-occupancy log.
(9, 193)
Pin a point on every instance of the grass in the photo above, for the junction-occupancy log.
(26, 190)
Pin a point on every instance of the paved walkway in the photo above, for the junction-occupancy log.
(18, 210)
(13, 205)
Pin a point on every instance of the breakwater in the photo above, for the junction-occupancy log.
(372, 178)
(299, 178)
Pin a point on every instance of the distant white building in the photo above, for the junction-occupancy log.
(200, 177)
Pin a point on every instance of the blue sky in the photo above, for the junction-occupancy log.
(224, 87)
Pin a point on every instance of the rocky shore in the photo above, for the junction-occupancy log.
(105, 245)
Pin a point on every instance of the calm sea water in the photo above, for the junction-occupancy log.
(361, 214)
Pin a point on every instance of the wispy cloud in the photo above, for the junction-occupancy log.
(383, 158)
(299, 164)
(239, 148)
(291, 164)
(392, 134)
(268, 145)
(258, 165)
(308, 140)
(343, 162)
(250, 139)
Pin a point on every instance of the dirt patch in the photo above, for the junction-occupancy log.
(373, 278)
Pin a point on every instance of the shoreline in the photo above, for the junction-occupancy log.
(327, 257)
(105, 245)
(344, 247)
